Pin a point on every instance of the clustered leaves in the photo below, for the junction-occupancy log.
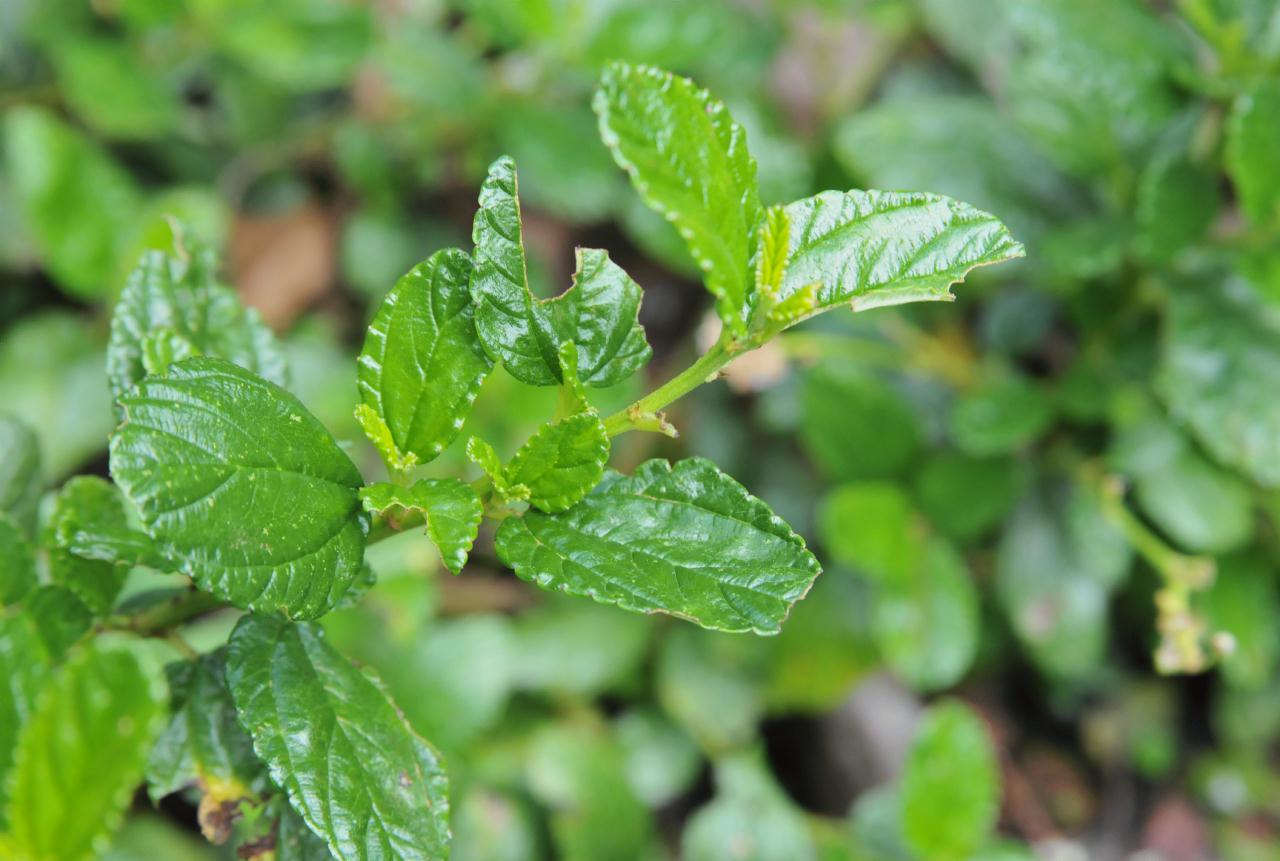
(239, 488)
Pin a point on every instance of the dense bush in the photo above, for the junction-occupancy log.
(1046, 514)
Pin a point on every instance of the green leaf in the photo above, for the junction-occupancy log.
(1177, 202)
(1243, 602)
(24, 664)
(750, 819)
(237, 481)
(350, 764)
(570, 648)
(855, 426)
(662, 762)
(87, 506)
(452, 510)
(204, 746)
(69, 789)
(296, 842)
(1253, 135)
(171, 308)
(1000, 415)
(689, 161)
(422, 364)
(966, 497)
(60, 618)
(1220, 364)
(21, 479)
(483, 455)
(109, 83)
(951, 785)
(561, 462)
(17, 563)
(711, 684)
(599, 312)
(686, 540)
(873, 248)
(72, 197)
(1059, 560)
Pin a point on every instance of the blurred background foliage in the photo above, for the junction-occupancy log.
(1056, 500)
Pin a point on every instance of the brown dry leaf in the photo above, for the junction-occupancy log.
(282, 264)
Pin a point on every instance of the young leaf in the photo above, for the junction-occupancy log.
(237, 481)
(598, 313)
(347, 760)
(689, 161)
(483, 455)
(873, 248)
(452, 510)
(17, 563)
(422, 364)
(204, 746)
(686, 540)
(90, 505)
(82, 752)
(173, 308)
(21, 479)
(1253, 136)
(561, 462)
(24, 664)
(951, 785)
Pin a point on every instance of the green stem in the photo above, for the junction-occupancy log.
(168, 614)
(701, 371)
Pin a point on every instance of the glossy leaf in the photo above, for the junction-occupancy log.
(69, 789)
(422, 364)
(452, 510)
(689, 161)
(685, 540)
(1221, 350)
(873, 248)
(1253, 136)
(330, 737)
(951, 785)
(171, 308)
(561, 462)
(91, 506)
(598, 312)
(17, 563)
(205, 746)
(245, 488)
(21, 479)
(484, 456)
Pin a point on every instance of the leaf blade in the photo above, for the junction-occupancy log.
(452, 509)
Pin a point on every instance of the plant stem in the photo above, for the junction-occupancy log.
(630, 418)
(167, 614)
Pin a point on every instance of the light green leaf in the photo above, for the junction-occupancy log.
(204, 746)
(1243, 601)
(873, 248)
(69, 789)
(422, 364)
(109, 83)
(750, 819)
(91, 507)
(662, 762)
(951, 785)
(712, 685)
(1220, 364)
(856, 426)
(561, 462)
(350, 764)
(24, 664)
(1000, 415)
(1253, 136)
(171, 308)
(17, 563)
(966, 497)
(686, 540)
(72, 197)
(689, 161)
(234, 478)
(1177, 202)
(598, 313)
(21, 479)
(484, 456)
(1059, 559)
(452, 510)
(567, 647)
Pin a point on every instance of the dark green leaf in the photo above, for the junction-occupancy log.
(598, 312)
(999, 416)
(70, 786)
(965, 497)
(1253, 136)
(236, 480)
(24, 664)
(951, 785)
(561, 462)
(171, 308)
(60, 618)
(92, 506)
(685, 540)
(452, 510)
(1177, 201)
(17, 563)
(872, 248)
(855, 426)
(689, 161)
(350, 764)
(422, 364)
(21, 481)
